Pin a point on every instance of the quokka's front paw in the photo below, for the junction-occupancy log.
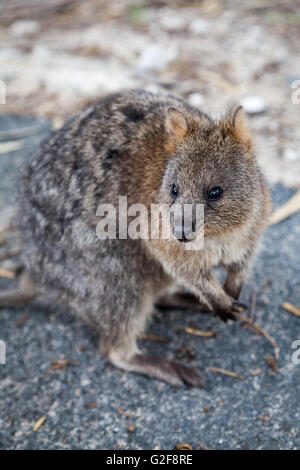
(228, 312)
(232, 290)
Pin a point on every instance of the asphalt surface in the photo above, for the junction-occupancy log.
(82, 399)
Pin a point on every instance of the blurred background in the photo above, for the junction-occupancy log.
(59, 56)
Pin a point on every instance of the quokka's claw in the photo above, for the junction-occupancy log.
(237, 303)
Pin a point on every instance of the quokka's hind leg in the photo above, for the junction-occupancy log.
(161, 368)
(25, 292)
(124, 354)
(7, 254)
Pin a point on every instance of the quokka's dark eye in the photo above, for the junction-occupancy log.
(215, 193)
(174, 192)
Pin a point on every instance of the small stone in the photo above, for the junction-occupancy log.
(199, 26)
(290, 155)
(256, 384)
(195, 99)
(153, 57)
(253, 105)
(24, 28)
(171, 20)
(85, 382)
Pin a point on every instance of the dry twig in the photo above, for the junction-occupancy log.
(39, 423)
(260, 331)
(155, 338)
(8, 228)
(22, 320)
(204, 334)
(253, 307)
(291, 309)
(272, 363)
(10, 254)
(288, 209)
(255, 372)
(124, 413)
(225, 372)
(7, 274)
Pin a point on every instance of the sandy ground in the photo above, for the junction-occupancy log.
(59, 56)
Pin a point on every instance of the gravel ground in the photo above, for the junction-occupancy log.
(81, 401)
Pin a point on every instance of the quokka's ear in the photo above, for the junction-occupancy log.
(176, 124)
(237, 121)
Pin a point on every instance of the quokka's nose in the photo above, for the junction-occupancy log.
(182, 234)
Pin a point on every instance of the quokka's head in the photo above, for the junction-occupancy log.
(211, 163)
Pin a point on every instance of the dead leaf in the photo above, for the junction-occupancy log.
(183, 447)
(62, 364)
(91, 406)
(267, 419)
